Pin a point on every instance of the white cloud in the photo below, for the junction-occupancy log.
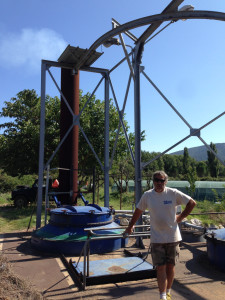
(29, 47)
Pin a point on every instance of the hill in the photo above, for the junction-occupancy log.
(200, 153)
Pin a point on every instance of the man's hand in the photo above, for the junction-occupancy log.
(191, 204)
(128, 230)
(134, 219)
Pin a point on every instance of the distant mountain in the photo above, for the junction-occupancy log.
(200, 153)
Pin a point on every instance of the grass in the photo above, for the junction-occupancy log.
(207, 207)
(5, 199)
(13, 219)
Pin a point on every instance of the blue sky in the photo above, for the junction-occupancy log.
(186, 61)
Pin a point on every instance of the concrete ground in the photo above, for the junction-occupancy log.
(195, 278)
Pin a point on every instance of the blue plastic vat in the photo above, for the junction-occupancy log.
(216, 247)
(65, 232)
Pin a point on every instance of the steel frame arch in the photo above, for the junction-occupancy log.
(172, 16)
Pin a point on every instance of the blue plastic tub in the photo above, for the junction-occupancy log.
(216, 247)
(65, 232)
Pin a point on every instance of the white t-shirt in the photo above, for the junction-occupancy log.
(162, 209)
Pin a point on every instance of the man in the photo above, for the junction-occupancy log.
(161, 202)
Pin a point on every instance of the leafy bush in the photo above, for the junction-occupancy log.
(8, 183)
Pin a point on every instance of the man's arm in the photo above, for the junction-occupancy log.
(188, 209)
(136, 216)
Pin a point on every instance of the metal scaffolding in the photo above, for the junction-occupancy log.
(79, 59)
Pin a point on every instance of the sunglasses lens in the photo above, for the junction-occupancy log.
(159, 180)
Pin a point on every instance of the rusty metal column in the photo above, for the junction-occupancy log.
(68, 156)
(137, 119)
(106, 159)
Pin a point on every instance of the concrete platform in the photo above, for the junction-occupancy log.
(195, 277)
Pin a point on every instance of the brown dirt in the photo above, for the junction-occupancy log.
(13, 286)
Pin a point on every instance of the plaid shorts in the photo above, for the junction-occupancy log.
(163, 254)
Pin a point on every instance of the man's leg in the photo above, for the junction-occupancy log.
(158, 252)
(162, 279)
(170, 271)
(173, 254)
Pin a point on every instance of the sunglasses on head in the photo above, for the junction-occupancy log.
(159, 180)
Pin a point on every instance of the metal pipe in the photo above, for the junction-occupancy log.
(129, 34)
(159, 32)
(171, 7)
(88, 259)
(211, 150)
(92, 149)
(75, 138)
(120, 62)
(118, 130)
(126, 54)
(207, 213)
(46, 194)
(121, 121)
(41, 145)
(128, 211)
(137, 123)
(108, 237)
(145, 233)
(106, 154)
(121, 227)
(168, 102)
(85, 260)
(61, 93)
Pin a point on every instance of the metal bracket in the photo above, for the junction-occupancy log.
(195, 132)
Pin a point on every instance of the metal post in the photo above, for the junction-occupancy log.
(137, 119)
(121, 189)
(75, 139)
(85, 263)
(46, 193)
(106, 159)
(94, 186)
(88, 260)
(41, 145)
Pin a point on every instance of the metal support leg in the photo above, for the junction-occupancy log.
(106, 164)
(46, 193)
(41, 145)
(137, 118)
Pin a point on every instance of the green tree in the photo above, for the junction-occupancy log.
(173, 164)
(123, 171)
(192, 177)
(222, 170)
(202, 169)
(186, 161)
(213, 163)
(19, 147)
